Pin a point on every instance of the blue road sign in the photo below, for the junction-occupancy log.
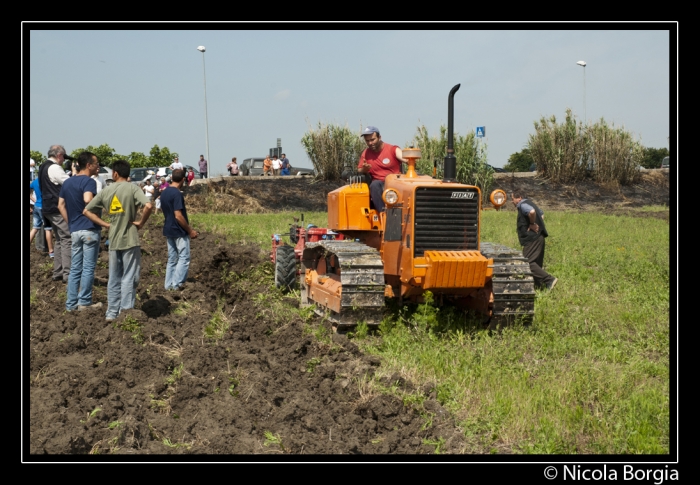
(480, 131)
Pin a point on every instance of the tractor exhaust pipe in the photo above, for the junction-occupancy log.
(450, 166)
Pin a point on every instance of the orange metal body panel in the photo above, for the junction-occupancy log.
(348, 209)
(325, 290)
(456, 269)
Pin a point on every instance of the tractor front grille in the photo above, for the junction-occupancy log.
(446, 219)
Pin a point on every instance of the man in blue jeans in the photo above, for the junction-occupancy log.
(76, 192)
(121, 200)
(178, 231)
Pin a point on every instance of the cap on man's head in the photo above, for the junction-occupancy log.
(369, 130)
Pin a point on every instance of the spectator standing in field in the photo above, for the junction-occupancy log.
(51, 177)
(121, 200)
(286, 166)
(176, 164)
(531, 234)
(202, 167)
(75, 193)
(178, 232)
(32, 169)
(156, 196)
(276, 165)
(267, 165)
(190, 176)
(38, 218)
(148, 190)
(163, 184)
(232, 167)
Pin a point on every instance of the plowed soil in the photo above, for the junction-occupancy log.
(152, 383)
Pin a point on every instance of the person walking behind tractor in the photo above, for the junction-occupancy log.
(121, 200)
(75, 193)
(202, 167)
(532, 233)
(51, 177)
(378, 160)
(178, 232)
(38, 218)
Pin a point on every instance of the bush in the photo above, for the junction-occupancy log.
(332, 149)
(570, 151)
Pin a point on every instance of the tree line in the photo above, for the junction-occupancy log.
(157, 157)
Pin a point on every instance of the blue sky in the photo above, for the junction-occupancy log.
(133, 89)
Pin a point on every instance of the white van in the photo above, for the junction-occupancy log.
(665, 162)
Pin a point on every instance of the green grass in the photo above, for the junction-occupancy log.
(218, 324)
(589, 376)
(130, 324)
(255, 229)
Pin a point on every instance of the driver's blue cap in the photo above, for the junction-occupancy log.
(369, 130)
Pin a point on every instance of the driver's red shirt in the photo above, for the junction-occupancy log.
(382, 163)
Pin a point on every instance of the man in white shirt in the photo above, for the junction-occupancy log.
(276, 165)
(176, 164)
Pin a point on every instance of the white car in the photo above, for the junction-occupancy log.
(105, 176)
(164, 172)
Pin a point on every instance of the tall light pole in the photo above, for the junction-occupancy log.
(201, 49)
(583, 64)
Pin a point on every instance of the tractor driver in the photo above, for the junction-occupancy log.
(378, 160)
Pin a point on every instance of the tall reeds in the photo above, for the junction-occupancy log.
(331, 148)
(572, 151)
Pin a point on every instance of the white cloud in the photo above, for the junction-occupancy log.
(284, 94)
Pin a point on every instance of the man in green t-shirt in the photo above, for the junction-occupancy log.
(121, 200)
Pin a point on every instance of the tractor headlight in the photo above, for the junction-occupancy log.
(390, 197)
(498, 198)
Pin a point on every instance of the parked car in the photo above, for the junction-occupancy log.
(251, 166)
(665, 162)
(196, 172)
(105, 175)
(138, 175)
(496, 169)
(163, 172)
(302, 171)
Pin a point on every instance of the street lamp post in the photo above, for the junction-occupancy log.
(202, 49)
(583, 64)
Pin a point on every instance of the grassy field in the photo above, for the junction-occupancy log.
(590, 376)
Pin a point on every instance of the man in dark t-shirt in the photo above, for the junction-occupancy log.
(178, 232)
(75, 193)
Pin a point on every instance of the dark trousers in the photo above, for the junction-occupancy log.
(376, 188)
(534, 252)
(202, 175)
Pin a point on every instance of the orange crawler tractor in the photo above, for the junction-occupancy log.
(427, 239)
